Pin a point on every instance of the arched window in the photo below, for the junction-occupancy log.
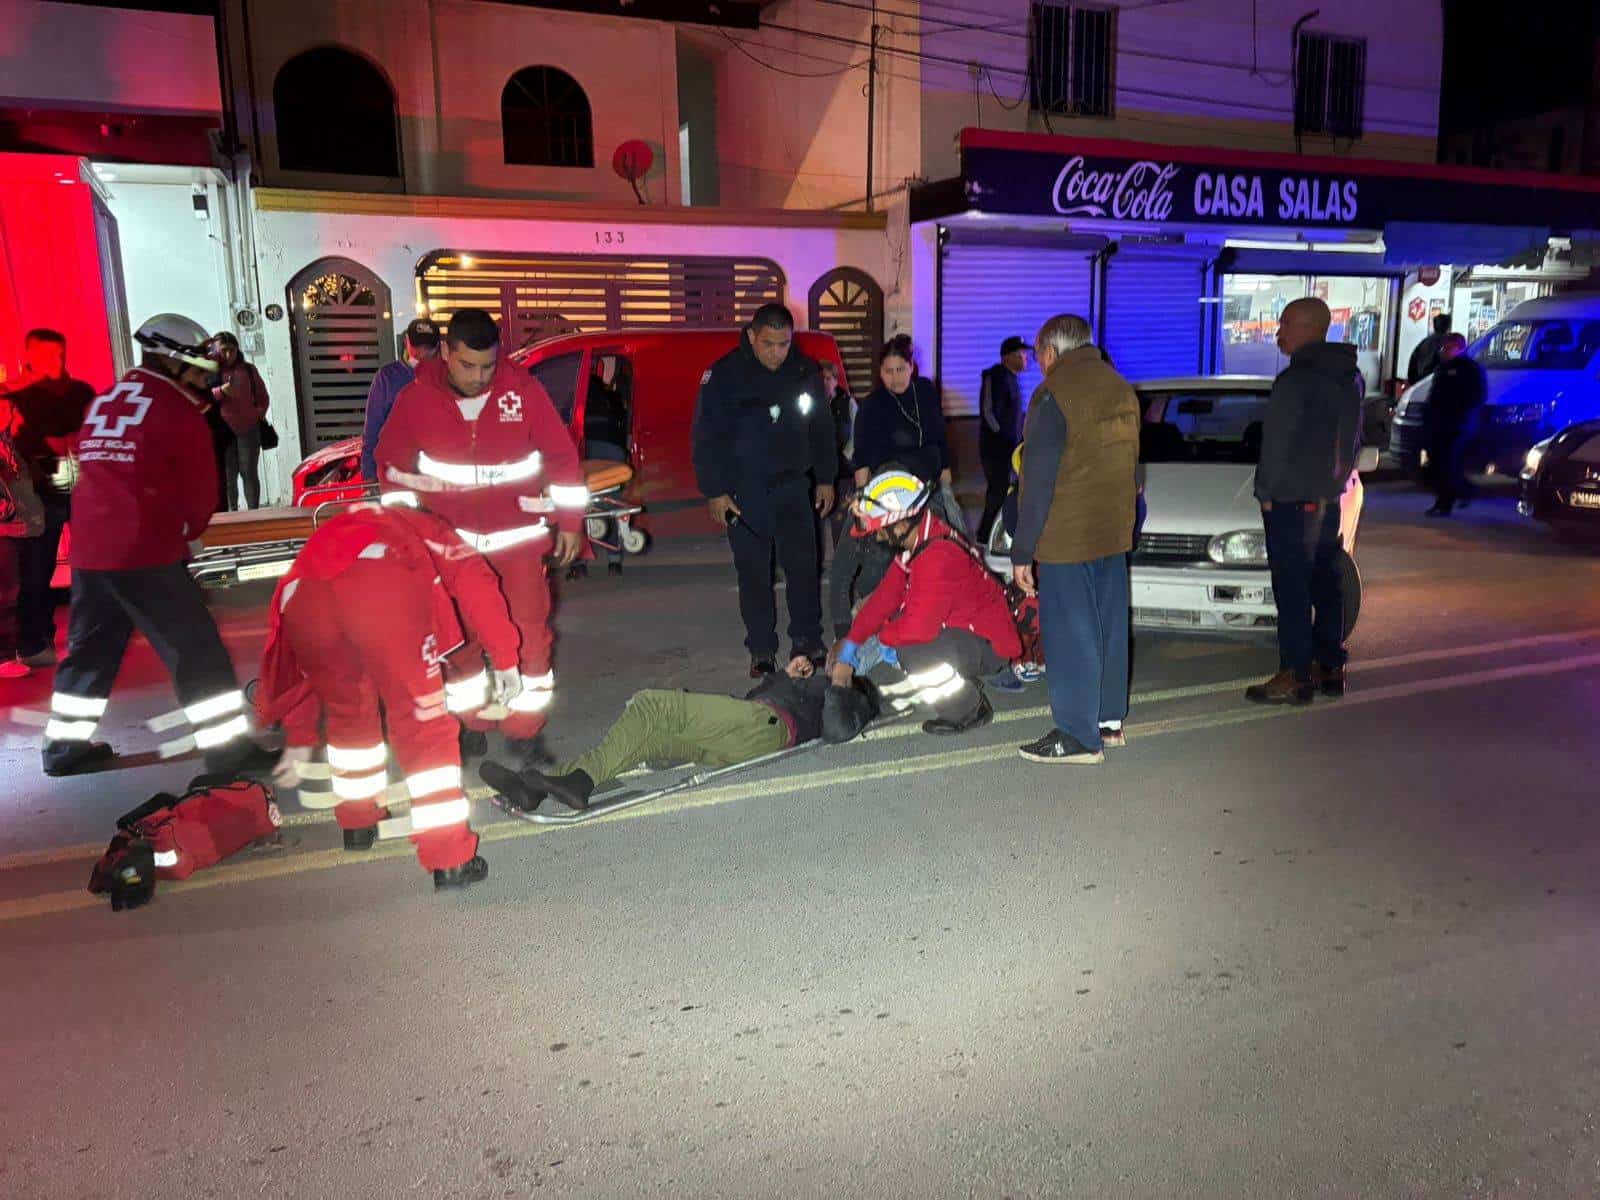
(544, 117)
(335, 112)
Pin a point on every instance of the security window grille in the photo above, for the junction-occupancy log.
(545, 120)
(1330, 85)
(1070, 59)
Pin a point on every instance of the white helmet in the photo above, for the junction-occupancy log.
(889, 497)
(176, 337)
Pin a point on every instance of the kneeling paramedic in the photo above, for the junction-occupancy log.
(364, 619)
(938, 622)
(787, 708)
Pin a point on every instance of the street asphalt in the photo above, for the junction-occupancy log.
(1349, 950)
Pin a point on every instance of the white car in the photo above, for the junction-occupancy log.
(1201, 561)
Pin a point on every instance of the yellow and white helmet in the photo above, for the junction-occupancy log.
(889, 497)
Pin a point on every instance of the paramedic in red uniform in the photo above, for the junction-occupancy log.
(476, 440)
(147, 488)
(334, 656)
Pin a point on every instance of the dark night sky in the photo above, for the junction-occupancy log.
(1512, 58)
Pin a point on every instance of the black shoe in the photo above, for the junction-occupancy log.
(1438, 510)
(75, 758)
(360, 839)
(578, 570)
(980, 717)
(760, 668)
(473, 743)
(613, 568)
(513, 785)
(529, 752)
(1059, 748)
(474, 870)
(572, 789)
(1283, 688)
(1113, 737)
(244, 758)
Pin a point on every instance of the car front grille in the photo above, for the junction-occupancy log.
(1172, 548)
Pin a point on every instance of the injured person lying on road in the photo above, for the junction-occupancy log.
(662, 728)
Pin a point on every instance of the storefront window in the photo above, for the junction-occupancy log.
(1252, 304)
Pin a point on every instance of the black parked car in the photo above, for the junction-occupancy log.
(1561, 478)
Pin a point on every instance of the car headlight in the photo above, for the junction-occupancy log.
(1242, 547)
(1536, 453)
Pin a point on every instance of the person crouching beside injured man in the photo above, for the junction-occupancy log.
(938, 623)
(787, 708)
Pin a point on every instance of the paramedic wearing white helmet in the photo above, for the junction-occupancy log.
(147, 488)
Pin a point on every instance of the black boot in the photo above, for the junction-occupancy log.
(360, 839)
(614, 568)
(977, 719)
(572, 789)
(473, 743)
(513, 785)
(529, 752)
(474, 870)
(75, 758)
(760, 668)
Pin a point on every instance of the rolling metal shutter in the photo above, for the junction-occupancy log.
(993, 291)
(536, 295)
(1154, 320)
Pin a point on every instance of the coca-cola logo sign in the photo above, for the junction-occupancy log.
(1141, 191)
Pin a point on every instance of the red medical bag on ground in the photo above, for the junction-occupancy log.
(172, 837)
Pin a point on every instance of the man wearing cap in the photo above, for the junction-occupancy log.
(422, 343)
(1000, 413)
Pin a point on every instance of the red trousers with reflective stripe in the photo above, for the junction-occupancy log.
(527, 592)
(362, 640)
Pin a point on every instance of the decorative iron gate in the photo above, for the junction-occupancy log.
(343, 332)
(848, 303)
(536, 295)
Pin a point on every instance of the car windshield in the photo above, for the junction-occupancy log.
(1201, 426)
(1557, 344)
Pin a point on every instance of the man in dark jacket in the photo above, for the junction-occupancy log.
(765, 457)
(1459, 387)
(787, 708)
(49, 406)
(1309, 443)
(999, 428)
(422, 343)
(1425, 358)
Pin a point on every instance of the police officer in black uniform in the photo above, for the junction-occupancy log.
(765, 456)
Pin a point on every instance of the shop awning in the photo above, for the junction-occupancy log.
(1158, 188)
(1415, 243)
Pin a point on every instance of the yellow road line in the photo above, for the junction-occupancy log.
(251, 870)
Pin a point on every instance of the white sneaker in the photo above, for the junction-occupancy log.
(14, 668)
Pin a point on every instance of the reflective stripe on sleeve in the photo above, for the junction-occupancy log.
(566, 496)
(464, 695)
(503, 539)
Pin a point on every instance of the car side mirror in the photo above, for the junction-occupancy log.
(1367, 460)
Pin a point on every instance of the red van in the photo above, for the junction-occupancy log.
(657, 374)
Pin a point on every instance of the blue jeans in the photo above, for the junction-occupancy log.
(1083, 622)
(1302, 551)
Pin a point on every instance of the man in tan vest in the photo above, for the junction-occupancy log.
(1074, 530)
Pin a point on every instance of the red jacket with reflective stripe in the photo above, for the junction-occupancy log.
(945, 587)
(458, 578)
(512, 468)
(147, 482)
